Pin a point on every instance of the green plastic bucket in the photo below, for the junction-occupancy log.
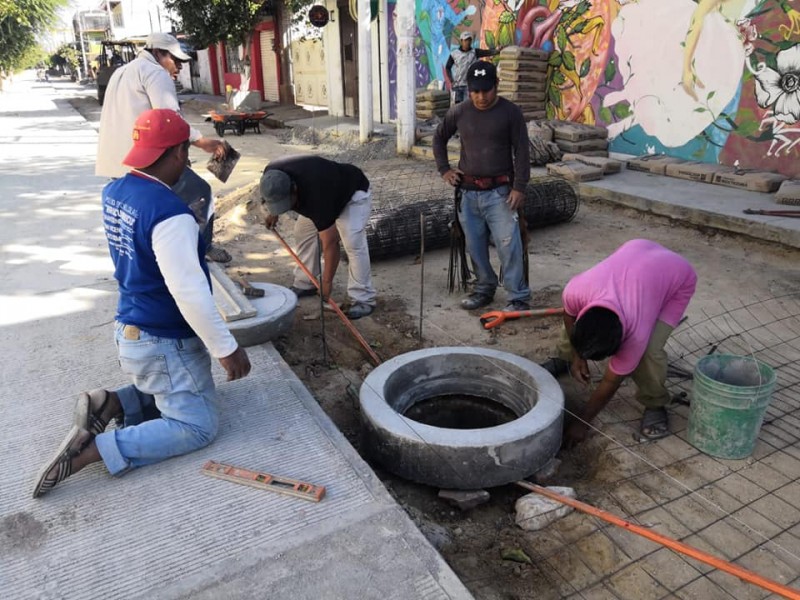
(729, 397)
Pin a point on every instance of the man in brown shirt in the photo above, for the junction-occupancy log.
(493, 171)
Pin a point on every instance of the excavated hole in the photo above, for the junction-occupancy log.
(460, 411)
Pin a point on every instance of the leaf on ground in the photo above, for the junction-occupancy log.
(516, 555)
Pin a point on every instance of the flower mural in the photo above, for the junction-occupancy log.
(748, 33)
(779, 89)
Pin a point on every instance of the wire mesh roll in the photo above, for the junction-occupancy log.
(549, 200)
(393, 229)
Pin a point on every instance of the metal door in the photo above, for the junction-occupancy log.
(349, 32)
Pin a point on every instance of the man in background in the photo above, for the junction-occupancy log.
(144, 83)
(458, 63)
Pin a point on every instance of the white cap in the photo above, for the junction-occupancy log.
(466, 35)
(164, 41)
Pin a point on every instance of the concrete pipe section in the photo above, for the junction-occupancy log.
(461, 418)
(275, 316)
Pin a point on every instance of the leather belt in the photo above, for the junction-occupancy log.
(485, 183)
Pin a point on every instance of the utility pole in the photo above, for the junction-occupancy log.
(110, 20)
(406, 84)
(83, 47)
(365, 121)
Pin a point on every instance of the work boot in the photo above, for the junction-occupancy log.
(95, 409)
(60, 466)
(303, 292)
(555, 366)
(517, 306)
(216, 254)
(358, 310)
(476, 300)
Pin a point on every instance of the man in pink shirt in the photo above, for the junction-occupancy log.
(625, 308)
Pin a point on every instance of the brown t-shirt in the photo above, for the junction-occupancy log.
(493, 142)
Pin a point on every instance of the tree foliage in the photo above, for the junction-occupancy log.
(68, 55)
(232, 21)
(20, 21)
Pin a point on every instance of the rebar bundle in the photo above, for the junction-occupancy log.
(400, 193)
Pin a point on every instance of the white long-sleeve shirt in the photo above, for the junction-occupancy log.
(134, 88)
(188, 285)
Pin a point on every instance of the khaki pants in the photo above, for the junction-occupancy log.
(650, 375)
(352, 227)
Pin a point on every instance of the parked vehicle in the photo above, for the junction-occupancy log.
(113, 55)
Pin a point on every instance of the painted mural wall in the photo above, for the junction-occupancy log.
(711, 80)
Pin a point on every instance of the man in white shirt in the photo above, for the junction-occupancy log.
(148, 82)
(167, 325)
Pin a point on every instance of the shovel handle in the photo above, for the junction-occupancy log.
(494, 318)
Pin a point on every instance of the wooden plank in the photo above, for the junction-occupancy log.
(231, 302)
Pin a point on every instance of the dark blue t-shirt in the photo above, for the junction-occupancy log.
(132, 207)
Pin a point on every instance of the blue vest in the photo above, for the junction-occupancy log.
(132, 207)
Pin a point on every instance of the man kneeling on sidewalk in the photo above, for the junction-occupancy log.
(625, 308)
(333, 202)
(166, 322)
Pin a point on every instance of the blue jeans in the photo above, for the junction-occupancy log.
(484, 213)
(459, 93)
(176, 376)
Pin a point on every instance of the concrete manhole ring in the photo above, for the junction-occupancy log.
(471, 457)
(275, 316)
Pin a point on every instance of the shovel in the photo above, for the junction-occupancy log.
(495, 318)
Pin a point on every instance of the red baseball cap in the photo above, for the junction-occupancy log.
(154, 131)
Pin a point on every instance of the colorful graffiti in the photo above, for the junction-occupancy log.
(712, 80)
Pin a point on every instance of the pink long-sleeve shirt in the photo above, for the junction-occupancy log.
(641, 282)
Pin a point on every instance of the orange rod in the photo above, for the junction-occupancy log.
(717, 563)
(333, 304)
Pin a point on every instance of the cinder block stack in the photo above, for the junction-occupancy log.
(577, 138)
(523, 79)
(432, 103)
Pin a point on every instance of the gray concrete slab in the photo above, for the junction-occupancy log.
(164, 531)
(703, 204)
(167, 531)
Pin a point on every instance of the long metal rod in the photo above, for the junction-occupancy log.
(717, 563)
(321, 304)
(334, 306)
(421, 270)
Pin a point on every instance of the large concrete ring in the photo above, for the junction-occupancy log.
(275, 316)
(461, 458)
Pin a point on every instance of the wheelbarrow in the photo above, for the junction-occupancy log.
(237, 121)
(495, 318)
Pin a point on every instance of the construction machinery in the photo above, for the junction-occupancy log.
(113, 54)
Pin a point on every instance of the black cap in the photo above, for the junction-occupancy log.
(481, 76)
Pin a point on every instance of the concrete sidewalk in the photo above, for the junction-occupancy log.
(164, 531)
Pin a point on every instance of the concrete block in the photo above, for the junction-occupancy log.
(536, 512)
(547, 472)
(465, 499)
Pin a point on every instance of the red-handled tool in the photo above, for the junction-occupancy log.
(494, 318)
